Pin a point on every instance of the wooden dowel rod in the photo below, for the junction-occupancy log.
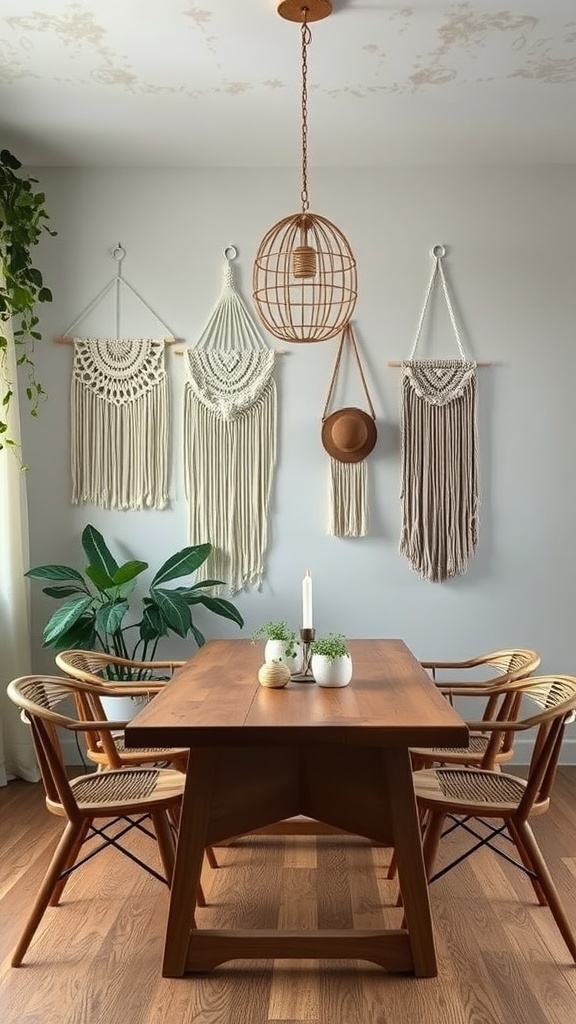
(278, 351)
(398, 362)
(70, 341)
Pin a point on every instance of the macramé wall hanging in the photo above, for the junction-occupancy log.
(119, 408)
(348, 435)
(439, 490)
(230, 439)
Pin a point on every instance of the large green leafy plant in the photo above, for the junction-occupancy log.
(97, 612)
(23, 219)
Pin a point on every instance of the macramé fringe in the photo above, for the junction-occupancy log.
(119, 453)
(348, 499)
(229, 467)
(439, 492)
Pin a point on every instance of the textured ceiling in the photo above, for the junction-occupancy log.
(217, 83)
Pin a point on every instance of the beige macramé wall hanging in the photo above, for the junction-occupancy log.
(230, 440)
(348, 435)
(119, 405)
(439, 490)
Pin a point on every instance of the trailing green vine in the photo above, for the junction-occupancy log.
(23, 218)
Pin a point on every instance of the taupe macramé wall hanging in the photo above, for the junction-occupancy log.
(119, 406)
(348, 435)
(230, 439)
(439, 490)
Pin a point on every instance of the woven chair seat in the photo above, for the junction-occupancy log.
(165, 753)
(470, 788)
(127, 786)
(477, 745)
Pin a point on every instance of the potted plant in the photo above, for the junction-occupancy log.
(96, 616)
(281, 644)
(331, 661)
(23, 219)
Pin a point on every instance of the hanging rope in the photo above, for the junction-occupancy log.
(348, 435)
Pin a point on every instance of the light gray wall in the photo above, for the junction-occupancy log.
(511, 239)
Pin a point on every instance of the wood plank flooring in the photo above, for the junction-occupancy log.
(96, 958)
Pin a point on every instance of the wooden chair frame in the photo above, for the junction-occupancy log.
(512, 666)
(103, 747)
(89, 666)
(128, 795)
(515, 800)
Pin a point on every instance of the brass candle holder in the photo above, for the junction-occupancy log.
(305, 676)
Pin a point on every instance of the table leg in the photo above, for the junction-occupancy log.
(410, 862)
(189, 856)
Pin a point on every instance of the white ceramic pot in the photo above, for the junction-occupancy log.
(331, 671)
(122, 709)
(275, 650)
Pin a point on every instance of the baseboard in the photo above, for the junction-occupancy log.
(523, 751)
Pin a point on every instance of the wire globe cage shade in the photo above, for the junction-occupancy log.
(304, 279)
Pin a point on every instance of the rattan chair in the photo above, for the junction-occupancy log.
(106, 748)
(91, 666)
(484, 750)
(473, 797)
(500, 666)
(127, 798)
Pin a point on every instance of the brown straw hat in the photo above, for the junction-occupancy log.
(349, 435)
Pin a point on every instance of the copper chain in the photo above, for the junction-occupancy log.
(306, 38)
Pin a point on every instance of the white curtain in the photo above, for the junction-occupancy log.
(17, 758)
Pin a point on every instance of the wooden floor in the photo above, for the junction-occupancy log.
(96, 958)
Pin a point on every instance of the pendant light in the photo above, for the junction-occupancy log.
(304, 275)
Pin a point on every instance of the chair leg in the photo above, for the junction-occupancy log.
(432, 835)
(545, 879)
(517, 839)
(60, 860)
(165, 838)
(60, 885)
(211, 857)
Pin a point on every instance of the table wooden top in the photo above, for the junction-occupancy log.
(215, 700)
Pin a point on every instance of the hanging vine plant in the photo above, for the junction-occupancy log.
(23, 219)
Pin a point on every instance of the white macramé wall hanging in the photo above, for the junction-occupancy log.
(119, 406)
(230, 440)
(348, 435)
(439, 490)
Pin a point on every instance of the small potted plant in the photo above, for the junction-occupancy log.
(281, 644)
(331, 661)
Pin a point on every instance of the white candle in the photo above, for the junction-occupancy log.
(307, 601)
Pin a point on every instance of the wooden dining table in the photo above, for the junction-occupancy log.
(335, 756)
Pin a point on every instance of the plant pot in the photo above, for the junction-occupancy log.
(122, 709)
(275, 650)
(331, 671)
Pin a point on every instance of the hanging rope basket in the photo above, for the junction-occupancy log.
(304, 279)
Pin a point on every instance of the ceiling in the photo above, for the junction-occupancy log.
(188, 83)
